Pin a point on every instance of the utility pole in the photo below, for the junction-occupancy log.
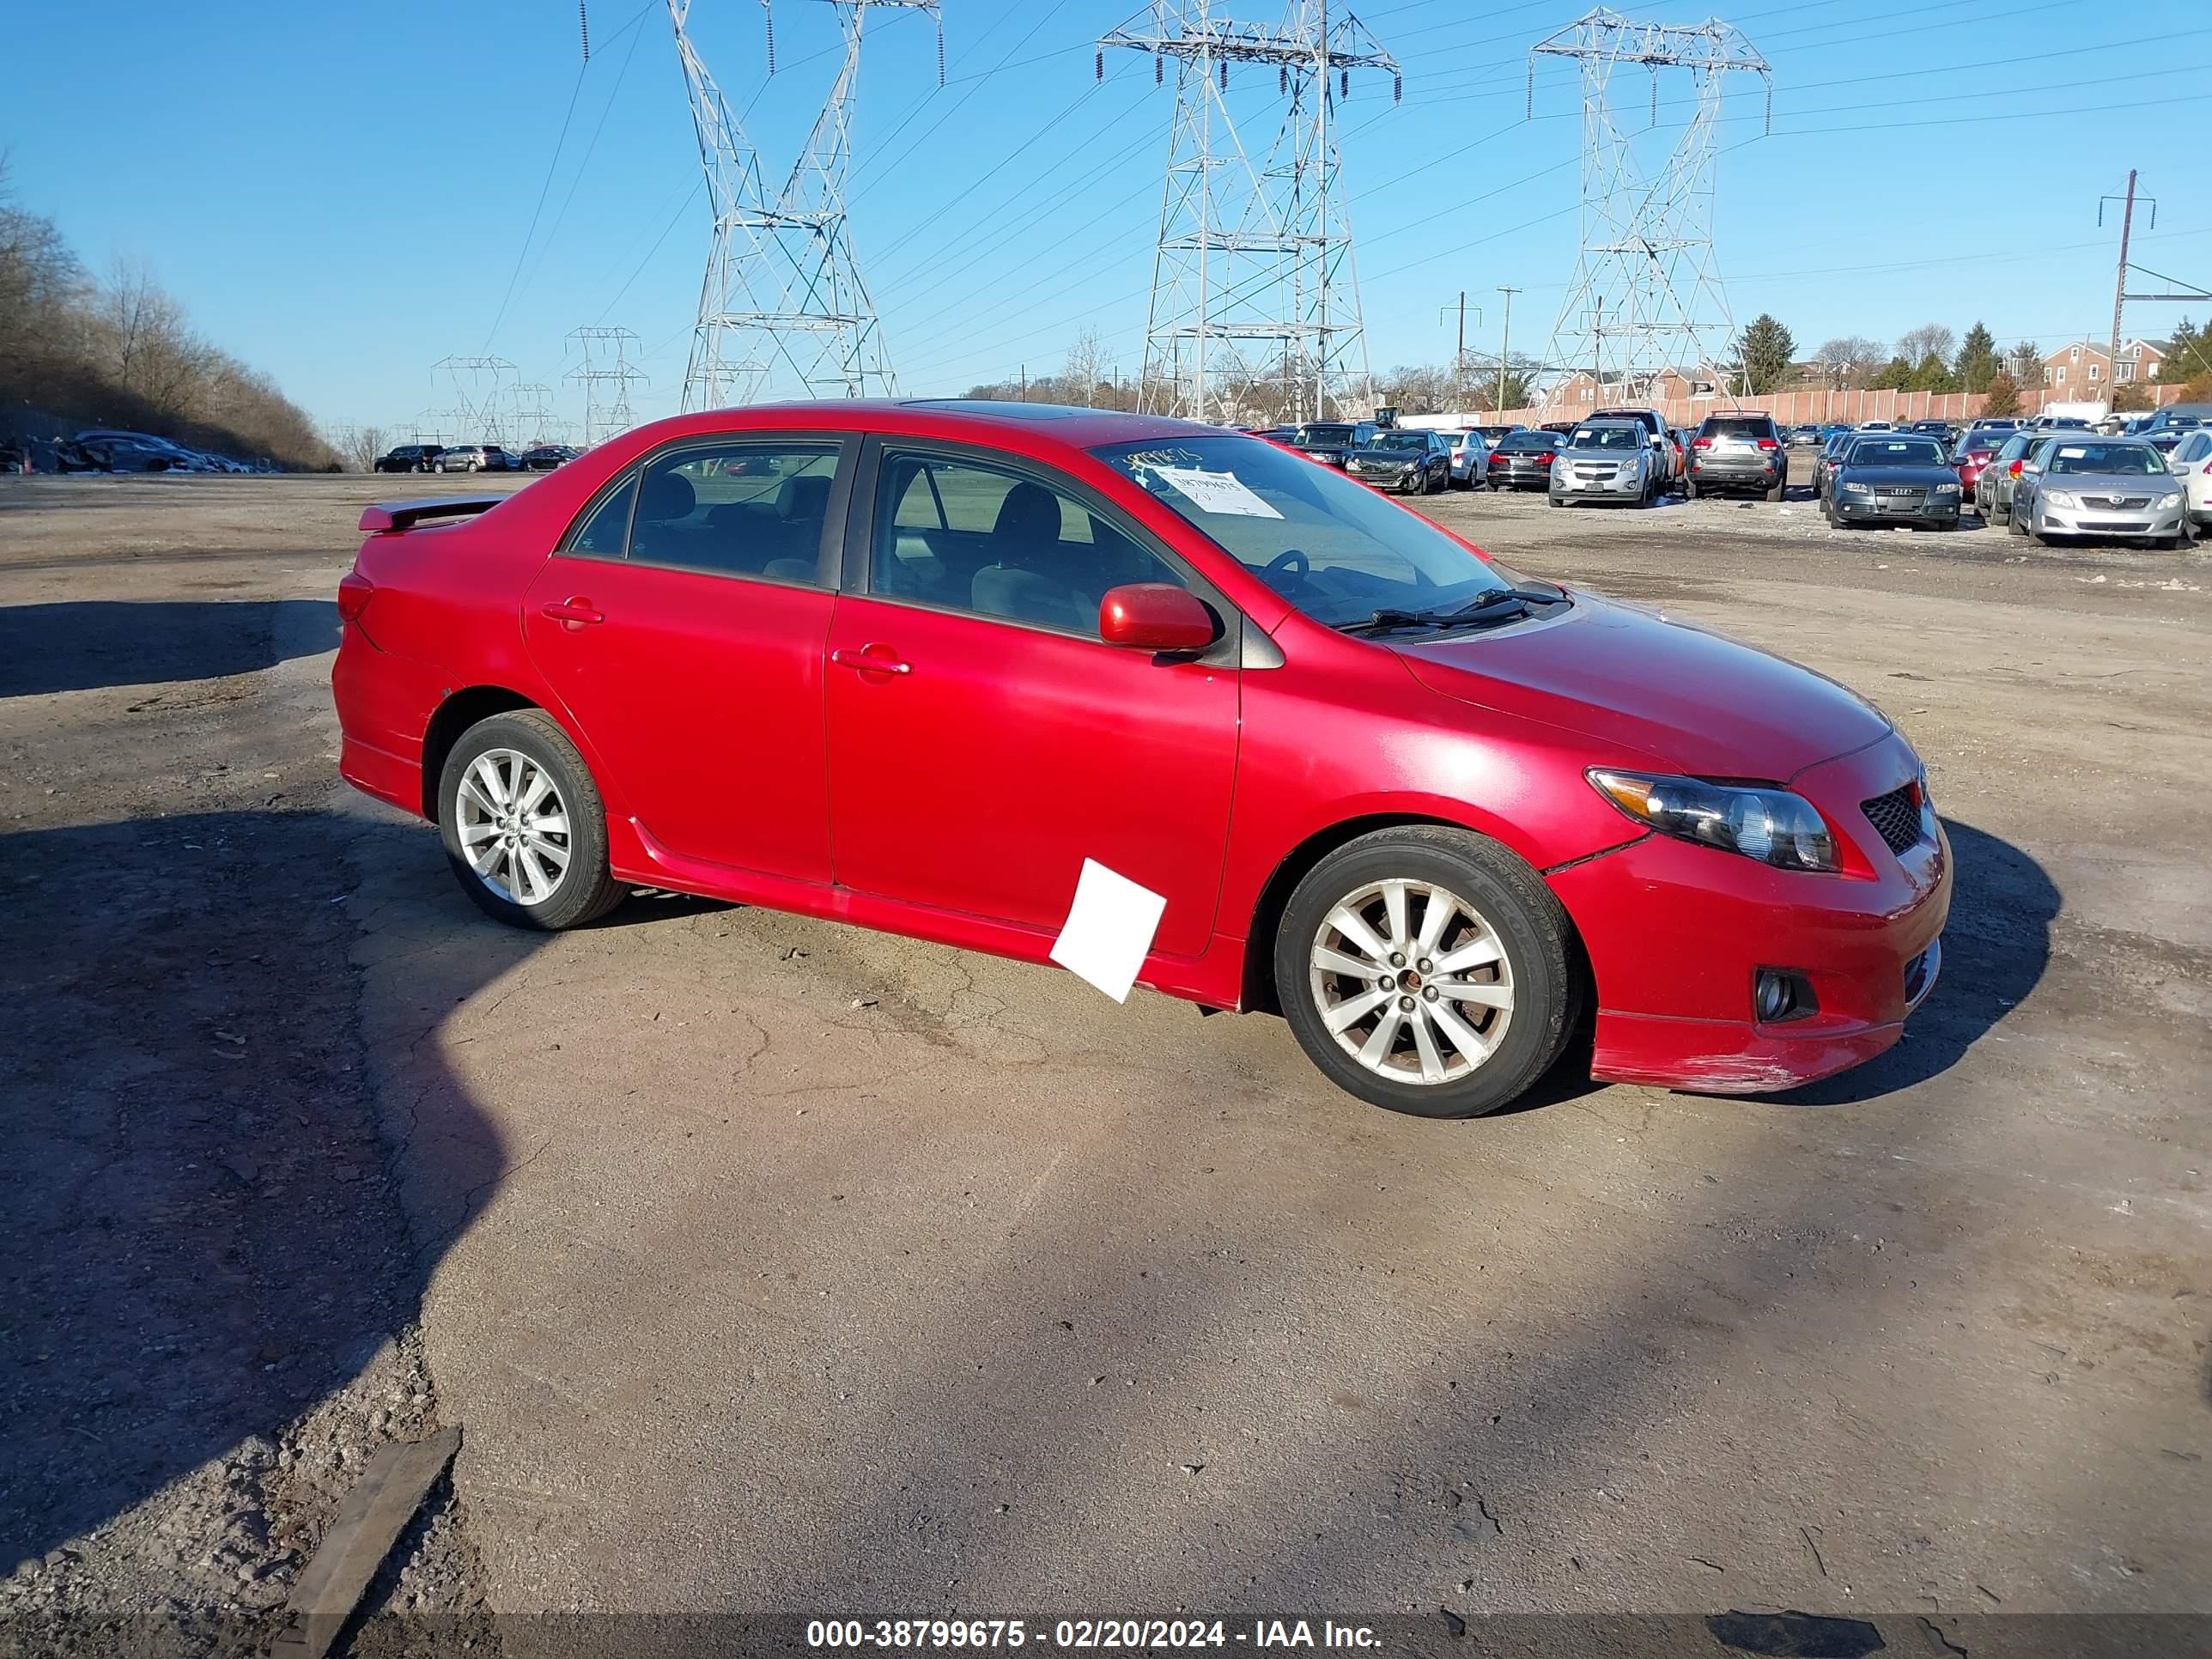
(1505, 346)
(2120, 290)
(1025, 383)
(1459, 357)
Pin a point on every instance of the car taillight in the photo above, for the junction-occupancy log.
(355, 591)
(1766, 443)
(2013, 469)
(1703, 443)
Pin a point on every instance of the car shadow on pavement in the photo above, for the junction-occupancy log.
(204, 1237)
(82, 645)
(1996, 946)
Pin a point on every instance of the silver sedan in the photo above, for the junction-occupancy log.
(2108, 489)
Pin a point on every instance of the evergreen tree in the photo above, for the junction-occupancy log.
(1895, 376)
(1978, 360)
(2005, 395)
(1764, 354)
(1930, 375)
(2189, 353)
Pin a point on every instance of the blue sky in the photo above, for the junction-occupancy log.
(343, 194)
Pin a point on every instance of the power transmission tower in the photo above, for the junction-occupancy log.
(1645, 297)
(529, 416)
(606, 385)
(1253, 260)
(477, 384)
(783, 306)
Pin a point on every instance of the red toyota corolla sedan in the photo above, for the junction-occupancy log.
(926, 667)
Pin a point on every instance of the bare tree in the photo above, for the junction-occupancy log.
(1929, 339)
(1079, 376)
(1847, 361)
(359, 447)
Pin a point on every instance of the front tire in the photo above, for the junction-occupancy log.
(524, 829)
(1463, 1035)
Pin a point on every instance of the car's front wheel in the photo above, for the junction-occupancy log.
(1427, 970)
(523, 826)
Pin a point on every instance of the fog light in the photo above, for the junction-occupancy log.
(1778, 995)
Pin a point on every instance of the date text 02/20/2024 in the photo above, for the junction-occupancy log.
(1086, 1633)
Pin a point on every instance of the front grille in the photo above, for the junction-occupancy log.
(1895, 818)
(2117, 504)
(1898, 492)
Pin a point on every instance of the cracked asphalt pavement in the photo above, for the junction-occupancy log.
(770, 1265)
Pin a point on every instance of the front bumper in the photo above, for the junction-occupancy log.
(1675, 933)
(2146, 524)
(1392, 479)
(1596, 489)
(1876, 509)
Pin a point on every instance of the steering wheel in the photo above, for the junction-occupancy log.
(1291, 560)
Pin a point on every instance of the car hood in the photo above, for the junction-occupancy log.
(1692, 700)
(2109, 483)
(1923, 476)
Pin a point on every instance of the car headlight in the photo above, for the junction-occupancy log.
(2060, 498)
(1771, 826)
(1850, 489)
(2172, 498)
(1946, 490)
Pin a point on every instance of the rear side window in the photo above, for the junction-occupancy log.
(736, 509)
(605, 534)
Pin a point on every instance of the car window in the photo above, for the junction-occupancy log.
(754, 508)
(1401, 440)
(1896, 451)
(970, 536)
(1330, 546)
(1723, 426)
(2107, 457)
(1609, 437)
(1523, 443)
(606, 533)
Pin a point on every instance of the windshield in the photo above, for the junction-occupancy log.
(1400, 440)
(2107, 457)
(1331, 547)
(1310, 435)
(1528, 442)
(1897, 452)
(1608, 437)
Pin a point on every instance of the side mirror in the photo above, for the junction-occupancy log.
(1155, 617)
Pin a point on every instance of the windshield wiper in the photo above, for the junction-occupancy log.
(1491, 605)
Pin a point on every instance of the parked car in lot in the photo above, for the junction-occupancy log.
(1742, 451)
(1831, 457)
(1877, 426)
(1362, 775)
(1664, 445)
(1993, 484)
(545, 457)
(476, 458)
(1403, 459)
(410, 457)
(1491, 434)
(2190, 462)
(1970, 454)
(1606, 461)
(1332, 441)
(2078, 485)
(1804, 437)
(1521, 460)
(1470, 450)
(1898, 477)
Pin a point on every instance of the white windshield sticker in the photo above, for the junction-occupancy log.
(1215, 492)
(2071, 455)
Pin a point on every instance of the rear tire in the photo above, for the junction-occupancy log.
(1689, 490)
(1481, 1050)
(1781, 490)
(500, 763)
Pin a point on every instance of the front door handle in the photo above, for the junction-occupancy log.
(871, 660)
(574, 612)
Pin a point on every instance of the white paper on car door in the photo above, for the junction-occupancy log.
(1215, 492)
(1108, 929)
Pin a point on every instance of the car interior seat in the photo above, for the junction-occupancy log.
(1028, 578)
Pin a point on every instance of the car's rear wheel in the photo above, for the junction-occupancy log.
(2015, 524)
(1427, 970)
(1689, 490)
(1781, 488)
(523, 825)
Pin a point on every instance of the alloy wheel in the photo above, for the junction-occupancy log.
(514, 826)
(1412, 981)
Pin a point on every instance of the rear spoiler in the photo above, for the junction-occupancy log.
(391, 517)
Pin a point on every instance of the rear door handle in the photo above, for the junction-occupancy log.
(574, 611)
(871, 660)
